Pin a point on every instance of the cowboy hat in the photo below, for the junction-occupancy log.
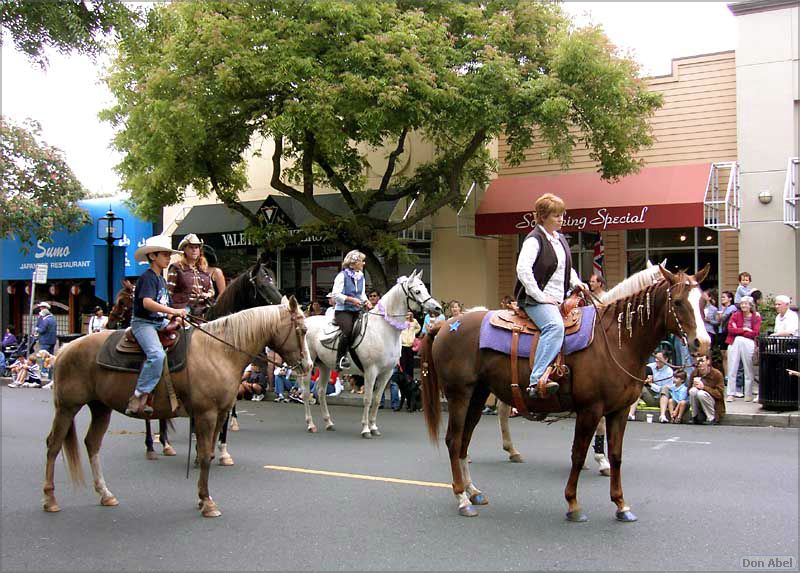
(190, 239)
(154, 244)
(43, 304)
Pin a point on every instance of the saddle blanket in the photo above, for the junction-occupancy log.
(109, 358)
(499, 339)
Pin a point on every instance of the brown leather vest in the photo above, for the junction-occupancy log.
(187, 286)
(545, 265)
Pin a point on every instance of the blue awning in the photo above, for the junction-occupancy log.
(71, 255)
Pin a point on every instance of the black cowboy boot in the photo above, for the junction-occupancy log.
(342, 360)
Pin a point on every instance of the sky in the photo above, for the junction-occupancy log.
(66, 98)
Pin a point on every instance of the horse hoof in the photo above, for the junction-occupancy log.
(226, 461)
(109, 501)
(209, 509)
(212, 513)
(467, 511)
(330, 428)
(375, 432)
(169, 451)
(626, 516)
(516, 459)
(606, 473)
(151, 456)
(479, 499)
(51, 508)
(234, 425)
(577, 516)
(312, 429)
(366, 435)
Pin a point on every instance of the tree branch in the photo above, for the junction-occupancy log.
(338, 183)
(276, 182)
(387, 175)
(228, 201)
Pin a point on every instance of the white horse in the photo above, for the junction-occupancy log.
(378, 349)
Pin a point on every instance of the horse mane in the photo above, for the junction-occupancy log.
(234, 296)
(246, 327)
(632, 285)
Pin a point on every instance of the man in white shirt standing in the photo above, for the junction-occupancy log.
(786, 321)
(98, 322)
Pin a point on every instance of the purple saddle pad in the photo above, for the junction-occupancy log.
(499, 339)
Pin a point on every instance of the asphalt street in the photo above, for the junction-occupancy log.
(706, 497)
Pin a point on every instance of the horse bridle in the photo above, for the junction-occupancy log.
(256, 289)
(410, 299)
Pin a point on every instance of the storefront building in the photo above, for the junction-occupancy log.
(76, 262)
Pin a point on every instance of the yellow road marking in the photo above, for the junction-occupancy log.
(358, 476)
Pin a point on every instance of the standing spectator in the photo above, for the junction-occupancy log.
(189, 279)
(454, 309)
(724, 312)
(315, 309)
(744, 288)
(597, 285)
(743, 328)
(46, 328)
(710, 317)
(655, 385)
(98, 322)
(706, 393)
(786, 322)
(394, 389)
(9, 339)
(373, 297)
(430, 319)
(407, 338)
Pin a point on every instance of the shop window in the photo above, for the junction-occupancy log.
(683, 248)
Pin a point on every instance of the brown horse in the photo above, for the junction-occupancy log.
(607, 377)
(206, 386)
(120, 314)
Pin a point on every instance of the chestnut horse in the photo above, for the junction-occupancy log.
(207, 388)
(607, 376)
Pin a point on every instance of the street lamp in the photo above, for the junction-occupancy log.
(110, 228)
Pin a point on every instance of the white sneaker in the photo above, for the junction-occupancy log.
(631, 418)
(663, 419)
(278, 398)
(48, 386)
(14, 385)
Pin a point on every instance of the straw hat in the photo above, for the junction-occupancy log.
(43, 304)
(190, 239)
(154, 244)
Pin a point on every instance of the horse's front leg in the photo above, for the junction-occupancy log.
(503, 412)
(615, 432)
(381, 379)
(205, 430)
(585, 425)
(305, 385)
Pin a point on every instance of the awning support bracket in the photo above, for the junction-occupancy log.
(722, 200)
(791, 193)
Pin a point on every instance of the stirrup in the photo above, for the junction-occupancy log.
(551, 388)
(344, 363)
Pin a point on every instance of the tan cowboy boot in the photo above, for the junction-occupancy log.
(550, 387)
(134, 405)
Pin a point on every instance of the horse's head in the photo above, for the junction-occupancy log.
(417, 295)
(289, 340)
(684, 314)
(264, 283)
(122, 309)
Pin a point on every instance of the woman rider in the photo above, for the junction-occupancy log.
(191, 281)
(348, 293)
(545, 273)
(150, 309)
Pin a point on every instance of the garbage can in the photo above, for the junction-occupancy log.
(776, 389)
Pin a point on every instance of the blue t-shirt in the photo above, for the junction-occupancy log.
(150, 285)
(679, 393)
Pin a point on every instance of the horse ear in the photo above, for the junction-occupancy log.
(419, 274)
(292, 304)
(649, 264)
(701, 275)
(667, 275)
(285, 301)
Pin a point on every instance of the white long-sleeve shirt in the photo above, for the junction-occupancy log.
(338, 290)
(555, 286)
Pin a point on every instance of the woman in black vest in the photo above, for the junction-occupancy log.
(545, 273)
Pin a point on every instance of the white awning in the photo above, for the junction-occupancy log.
(722, 199)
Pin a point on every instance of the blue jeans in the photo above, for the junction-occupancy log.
(548, 318)
(283, 385)
(329, 389)
(147, 337)
(394, 392)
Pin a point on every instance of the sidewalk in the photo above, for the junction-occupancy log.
(739, 413)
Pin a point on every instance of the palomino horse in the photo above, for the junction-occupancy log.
(206, 386)
(606, 376)
(253, 287)
(378, 349)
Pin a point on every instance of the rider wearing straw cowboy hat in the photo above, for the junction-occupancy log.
(150, 309)
(545, 273)
(191, 281)
(348, 292)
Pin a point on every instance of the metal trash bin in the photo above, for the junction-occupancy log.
(776, 389)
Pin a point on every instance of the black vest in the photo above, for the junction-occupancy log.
(545, 265)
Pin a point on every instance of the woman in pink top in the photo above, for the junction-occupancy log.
(743, 328)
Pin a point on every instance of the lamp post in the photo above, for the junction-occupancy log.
(110, 228)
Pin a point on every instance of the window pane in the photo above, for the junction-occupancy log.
(588, 240)
(636, 239)
(676, 260)
(572, 239)
(707, 237)
(703, 257)
(636, 262)
(681, 237)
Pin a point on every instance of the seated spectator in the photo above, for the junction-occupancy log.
(32, 373)
(18, 372)
(652, 389)
(430, 319)
(2, 364)
(333, 388)
(285, 380)
(743, 328)
(786, 320)
(9, 339)
(706, 396)
(253, 384)
(357, 383)
(677, 400)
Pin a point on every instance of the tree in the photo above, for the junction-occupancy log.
(328, 80)
(66, 25)
(38, 191)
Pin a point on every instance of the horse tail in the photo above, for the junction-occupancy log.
(431, 405)
(73, 455)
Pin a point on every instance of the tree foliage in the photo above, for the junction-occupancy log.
(65, 25)
(330, 80)
(38, 191)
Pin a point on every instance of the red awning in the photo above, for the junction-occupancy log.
(656, 197)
